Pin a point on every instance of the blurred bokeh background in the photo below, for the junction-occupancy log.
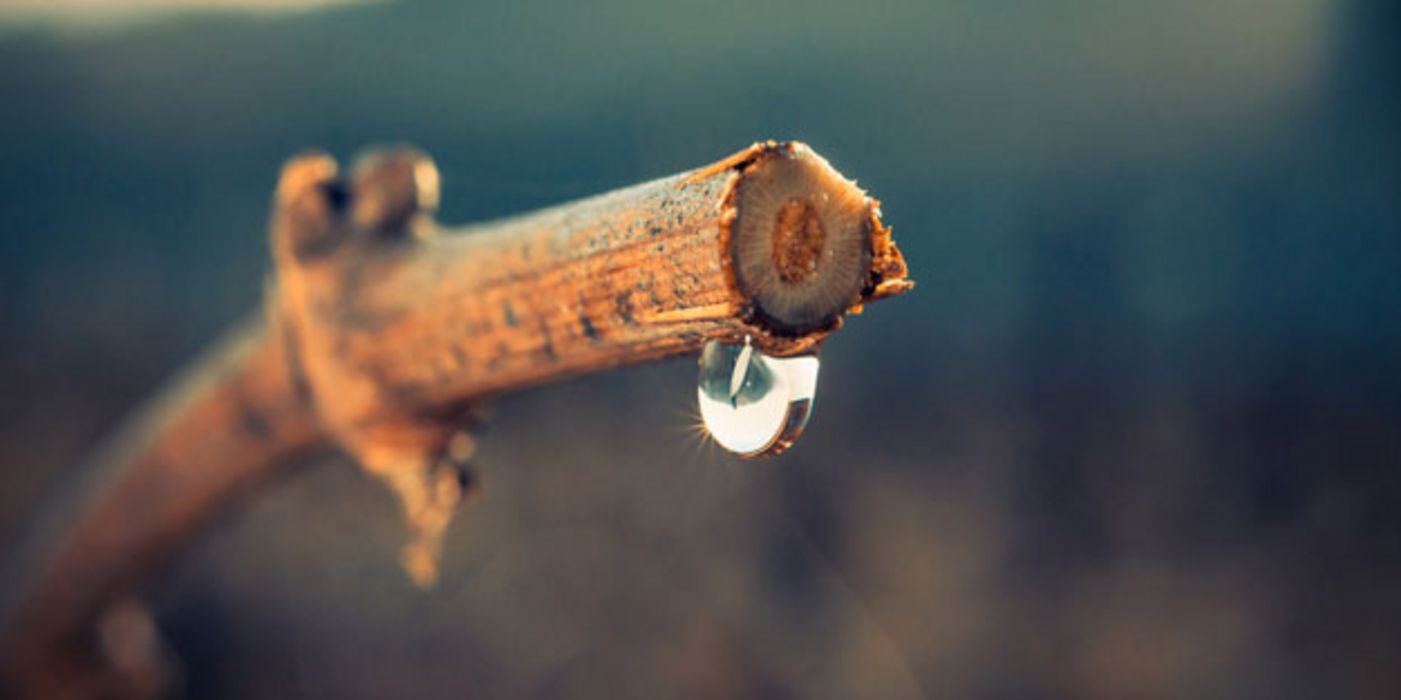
(1136, 434)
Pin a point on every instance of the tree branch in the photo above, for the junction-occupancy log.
(383, 331)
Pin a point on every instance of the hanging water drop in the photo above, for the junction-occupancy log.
(752, 404)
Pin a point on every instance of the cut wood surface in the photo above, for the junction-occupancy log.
(383, 332)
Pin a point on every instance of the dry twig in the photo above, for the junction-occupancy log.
(383, 332)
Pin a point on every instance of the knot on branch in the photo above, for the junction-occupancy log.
(330, 235)
(391, 193)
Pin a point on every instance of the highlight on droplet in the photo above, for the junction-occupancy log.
(752, 404)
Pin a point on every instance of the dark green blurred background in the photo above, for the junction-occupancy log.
(1137, 433)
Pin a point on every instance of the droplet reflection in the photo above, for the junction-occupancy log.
(752, 404)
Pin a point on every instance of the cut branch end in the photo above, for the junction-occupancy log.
(800, 239)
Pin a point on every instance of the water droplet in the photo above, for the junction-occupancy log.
(752, 404)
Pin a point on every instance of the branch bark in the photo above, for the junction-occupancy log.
(383, 332)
